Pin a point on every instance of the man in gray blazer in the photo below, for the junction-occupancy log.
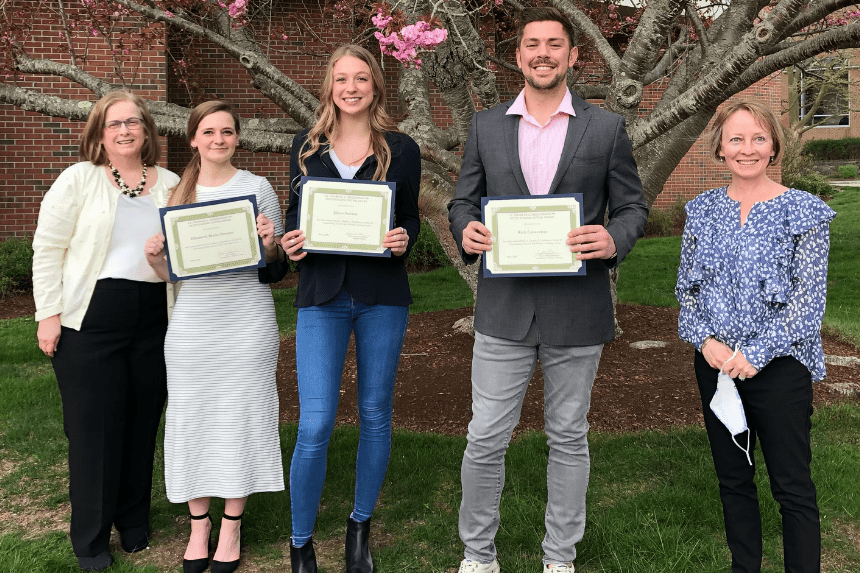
(548, 140)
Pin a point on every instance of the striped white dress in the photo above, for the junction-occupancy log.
(221, 435)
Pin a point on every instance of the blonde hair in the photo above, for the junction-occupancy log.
(763, 116)
(90, 147)
(327, 113)
(185, 191)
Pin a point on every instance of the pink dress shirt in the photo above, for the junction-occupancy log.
(540, 146)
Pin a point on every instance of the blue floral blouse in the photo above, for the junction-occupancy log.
(762, 285)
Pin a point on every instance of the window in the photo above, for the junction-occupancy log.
(823, 88)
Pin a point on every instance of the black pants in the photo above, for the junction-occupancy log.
(778, 406)
(113, 385)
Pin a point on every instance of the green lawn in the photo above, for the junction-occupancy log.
(653, 504)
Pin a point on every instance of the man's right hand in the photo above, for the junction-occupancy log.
(477, 238)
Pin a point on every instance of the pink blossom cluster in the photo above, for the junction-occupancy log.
(405, 44)
(844, 19)
(238, 9)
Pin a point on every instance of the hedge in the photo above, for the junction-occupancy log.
(833, 149)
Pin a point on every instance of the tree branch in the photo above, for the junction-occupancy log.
(251, 59)
(584, 23)
(653, 28)
(833, 39)
(28, 65)
(693, 15)
(713, 88)
(170, 119)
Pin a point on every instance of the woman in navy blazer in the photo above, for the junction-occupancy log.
(339, 295)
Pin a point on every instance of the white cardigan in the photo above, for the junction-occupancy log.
(72, 237)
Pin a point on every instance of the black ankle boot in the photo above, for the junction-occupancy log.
(358, 559)
(303, 559)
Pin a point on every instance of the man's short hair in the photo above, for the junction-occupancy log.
(543, 14)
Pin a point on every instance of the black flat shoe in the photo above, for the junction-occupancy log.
(199, 565)
(98, 563)
(226, 566)
(303, 559)
(134, 540)
(358, 559)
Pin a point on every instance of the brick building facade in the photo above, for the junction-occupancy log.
(36, 148)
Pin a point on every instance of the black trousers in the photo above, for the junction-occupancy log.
(778, 406)
(113, 384)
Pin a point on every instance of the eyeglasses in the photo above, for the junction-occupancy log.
(131, 123)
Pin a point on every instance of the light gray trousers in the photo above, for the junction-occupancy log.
(501, 371)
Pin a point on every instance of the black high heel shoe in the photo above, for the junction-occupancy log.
(199, 565)
(303, 559)
(227, 566)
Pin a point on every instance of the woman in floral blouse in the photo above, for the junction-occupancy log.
(752, 285)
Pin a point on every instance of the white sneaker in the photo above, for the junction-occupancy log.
(558, 567)
(469, 566)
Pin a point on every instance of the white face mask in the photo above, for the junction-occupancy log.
(729, 409)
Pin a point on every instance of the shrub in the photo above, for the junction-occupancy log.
(795, 163)
(812, 183)
(427, 253)
(847, 171)
(833, 149)
(16, 266)
(667, 221)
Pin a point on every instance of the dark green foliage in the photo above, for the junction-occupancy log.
(667, 221)
(427, 253)
(833, 149)
(847, 171)
(811, 183)
(16, 265)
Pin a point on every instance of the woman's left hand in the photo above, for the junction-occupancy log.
(739, 367)
(266, 230)
(396, 240)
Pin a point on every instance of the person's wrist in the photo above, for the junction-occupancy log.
(706, 341)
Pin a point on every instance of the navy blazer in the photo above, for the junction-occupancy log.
(370, 280)
(597, 161)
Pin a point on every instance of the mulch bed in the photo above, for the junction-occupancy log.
(634, 389)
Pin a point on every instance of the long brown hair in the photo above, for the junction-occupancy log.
(90, 147)
(327, 113)
(186, 191)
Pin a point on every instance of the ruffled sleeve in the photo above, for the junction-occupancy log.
(693, 326)
(800, 297)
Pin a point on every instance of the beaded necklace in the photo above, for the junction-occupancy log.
(123, 187)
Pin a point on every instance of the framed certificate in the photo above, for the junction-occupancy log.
(212, 237)
(530, 235)
(345, 216)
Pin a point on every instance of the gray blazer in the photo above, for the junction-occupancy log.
(597, 161)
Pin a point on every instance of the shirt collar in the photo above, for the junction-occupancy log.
(519, 106)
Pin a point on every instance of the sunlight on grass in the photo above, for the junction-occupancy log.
(843, 275)
(647, 275)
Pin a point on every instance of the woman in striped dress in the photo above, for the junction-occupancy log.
(221, 436)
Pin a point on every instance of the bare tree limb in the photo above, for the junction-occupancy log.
(698, 26)
(584, 23)
(27, 65)
(252, 60)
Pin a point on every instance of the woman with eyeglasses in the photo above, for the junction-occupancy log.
(102, 314)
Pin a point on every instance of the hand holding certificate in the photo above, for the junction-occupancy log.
(344, 216)
(211, 237)
(530, 235)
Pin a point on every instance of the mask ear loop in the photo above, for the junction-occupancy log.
(749, 433)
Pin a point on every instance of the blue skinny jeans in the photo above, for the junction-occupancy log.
(322, 337)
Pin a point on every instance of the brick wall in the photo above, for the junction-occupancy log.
(37, 148)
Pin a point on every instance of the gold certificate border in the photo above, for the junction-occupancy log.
(493, 210)
(312, 189)
(179, 268)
